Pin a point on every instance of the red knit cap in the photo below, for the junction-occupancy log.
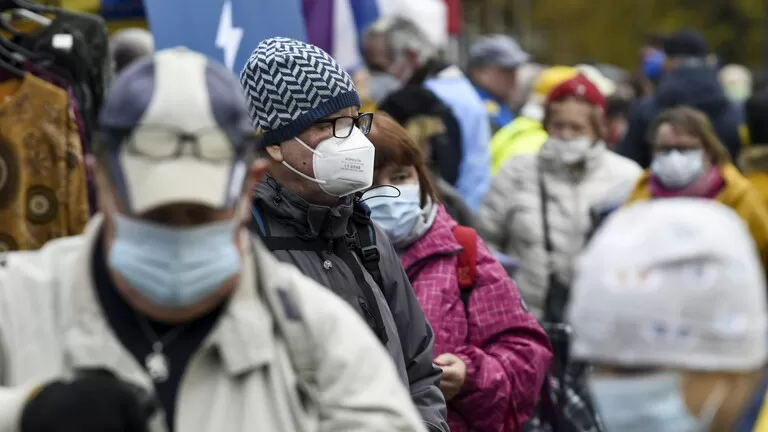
(579, 87)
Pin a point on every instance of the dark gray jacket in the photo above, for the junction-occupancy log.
(410, 338)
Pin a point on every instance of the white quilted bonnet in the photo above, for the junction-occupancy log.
(673, 283)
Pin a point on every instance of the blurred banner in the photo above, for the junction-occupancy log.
(226, 30)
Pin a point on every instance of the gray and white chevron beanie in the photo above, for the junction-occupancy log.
(290, 84)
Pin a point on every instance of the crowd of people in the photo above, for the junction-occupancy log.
(502, 247)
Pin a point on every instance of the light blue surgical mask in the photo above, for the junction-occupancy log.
(174, 266)
(397, 216)
(651, 403)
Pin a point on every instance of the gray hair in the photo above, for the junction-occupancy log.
(129, 45)
(402, 35)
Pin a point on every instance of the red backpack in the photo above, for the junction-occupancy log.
(466, 262)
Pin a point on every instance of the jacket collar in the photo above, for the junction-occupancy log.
(311, 221)
(438, 240)
(550, 161)
(243, 335)
(736, 186)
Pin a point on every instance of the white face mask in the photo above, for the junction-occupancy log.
(676, 169)
(342, 166)
(571, 151)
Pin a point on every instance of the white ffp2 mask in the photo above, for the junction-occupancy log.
(342, 166)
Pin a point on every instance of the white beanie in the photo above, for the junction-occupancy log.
(673, 283)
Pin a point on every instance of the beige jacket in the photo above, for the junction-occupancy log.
(241, 379)
(510, 218)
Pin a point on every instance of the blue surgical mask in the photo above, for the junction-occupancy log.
(397, 216)
(174, 266)
(676, 169)
(650, 403)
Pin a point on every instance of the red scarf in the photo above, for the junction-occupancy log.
(707, 185)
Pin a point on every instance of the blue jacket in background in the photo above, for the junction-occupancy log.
(498, 111)
(696, 87)
(456, 91)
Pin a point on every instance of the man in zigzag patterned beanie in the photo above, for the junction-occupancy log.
(306, 212)
(307, 107)
(290, 84)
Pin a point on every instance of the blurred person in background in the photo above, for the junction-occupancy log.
(616, 113)
(398, 47)
(652, 59)
(669, 305)
(525, 78)
(606, 85)
(689, 161)
(539, 204)
(525, 135)
(736, 80)
(128, 45)
(493, 64)
(689, 79)
(429, 123)
(753, 160)
(493, 353)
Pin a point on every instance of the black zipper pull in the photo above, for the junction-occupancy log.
(367, 312)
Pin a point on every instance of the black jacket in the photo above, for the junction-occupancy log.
(410, 338)
(696, 87)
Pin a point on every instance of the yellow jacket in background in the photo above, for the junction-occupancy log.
(737, 193)
(522, 136)
(754, 162)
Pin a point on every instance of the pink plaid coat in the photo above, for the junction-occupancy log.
(506, 351)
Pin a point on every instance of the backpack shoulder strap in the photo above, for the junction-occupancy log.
(366, 236)
(466, 263)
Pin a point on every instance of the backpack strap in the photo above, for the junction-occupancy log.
(361, 238)
(366, 236)
(274, 243)
(363, 245)
(466, 262)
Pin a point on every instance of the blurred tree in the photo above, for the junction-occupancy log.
(612, 30)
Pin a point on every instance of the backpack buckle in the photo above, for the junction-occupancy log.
(351, 241)
(370, 254)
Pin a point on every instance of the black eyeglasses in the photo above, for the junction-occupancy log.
(342, 125)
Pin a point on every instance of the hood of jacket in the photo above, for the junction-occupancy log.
(694, 86)
(307, 221)
(438, 240)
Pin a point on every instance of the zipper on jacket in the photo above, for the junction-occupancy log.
(366, 308)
